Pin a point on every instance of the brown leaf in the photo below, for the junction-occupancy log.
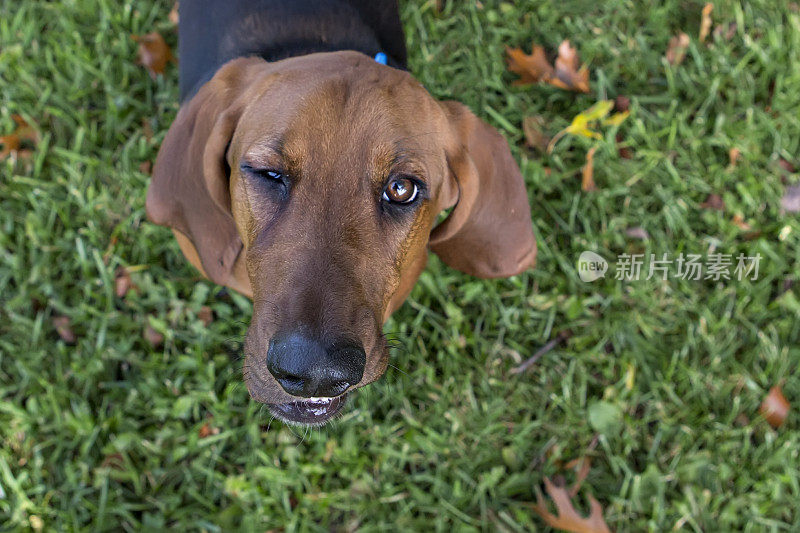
(738, 220)
(786, 165)
(64, 329)
(587, 172)
(734, 154)
(152, 336)
(173, 14)
(534, 68)
(775, 407)
(721, 32)
(569, 74)
(582, 467)
(114, 461)
(621, 104)
(568, 518)
(714, 201)
(206, 315)
(154, 54)
(147, 130)
(676, 50)
(637, 233)
(145, 167)
(533, 127)
(705, 21)
(122, 282)
(13, 143)
(791, 199)
(623, 151)
(207, 430)
(531, 68)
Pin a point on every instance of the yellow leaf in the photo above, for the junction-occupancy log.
(616, 119)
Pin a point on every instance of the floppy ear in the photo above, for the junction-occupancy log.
(489, 233)
(189, 190)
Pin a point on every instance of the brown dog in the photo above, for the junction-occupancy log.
(312, 184)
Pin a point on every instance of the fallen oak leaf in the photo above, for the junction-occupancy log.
(738, 220)
(206, 430)
(206, 315)
(122, 282)
(568, 518)
(152, 336)
(569, 74)
(705, 21)
(531, 68)
(733, 157)
(23, 134)
(714, 201)
(676, 49)
(63, 327)
(532, 127)
(154, 54)
(775, 407)
(587, 171)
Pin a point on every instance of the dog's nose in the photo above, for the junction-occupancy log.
(306, 368)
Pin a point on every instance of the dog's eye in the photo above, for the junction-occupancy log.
(401, 190)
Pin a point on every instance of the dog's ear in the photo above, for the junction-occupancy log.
(489, 233)
(189, 191)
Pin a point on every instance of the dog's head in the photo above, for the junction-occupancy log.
(313, 185)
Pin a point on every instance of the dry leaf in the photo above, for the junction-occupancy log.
(738, 220)
(568, 518)
(531, 68)
(122, 282)
(623, 151)
(676, 50)
(637, 233)
(733, 157)
(114, 461)
(154, 54)
(534, 136)
(569, 74)
(786, 165)
(714, 201)
(534, 68)
(13, 143)
(145, 167)
(63, 327)
(705, 21)
(206, 315)
(582, 465)
(791, 199)
(721, 32)
(775, 407)
(206, 430)
(173, 14)
(587, 172)
(152, 336)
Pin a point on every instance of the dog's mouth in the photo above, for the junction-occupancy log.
(308, 412)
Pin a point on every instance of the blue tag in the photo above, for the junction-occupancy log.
(381, 58)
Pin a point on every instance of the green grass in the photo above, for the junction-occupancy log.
(104, 434)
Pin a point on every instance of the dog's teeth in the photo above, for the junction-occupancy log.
(320, 400)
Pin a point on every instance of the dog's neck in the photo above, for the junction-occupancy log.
(212, 32)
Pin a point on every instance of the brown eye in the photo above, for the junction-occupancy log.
(401, 191)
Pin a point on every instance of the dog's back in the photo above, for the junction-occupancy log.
(213, 32)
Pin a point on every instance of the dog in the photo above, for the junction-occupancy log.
(306, 169)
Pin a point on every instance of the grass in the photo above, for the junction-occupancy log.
(667, 375)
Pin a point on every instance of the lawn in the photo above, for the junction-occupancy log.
(659, 384)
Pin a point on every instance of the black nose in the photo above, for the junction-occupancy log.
(306, 368)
